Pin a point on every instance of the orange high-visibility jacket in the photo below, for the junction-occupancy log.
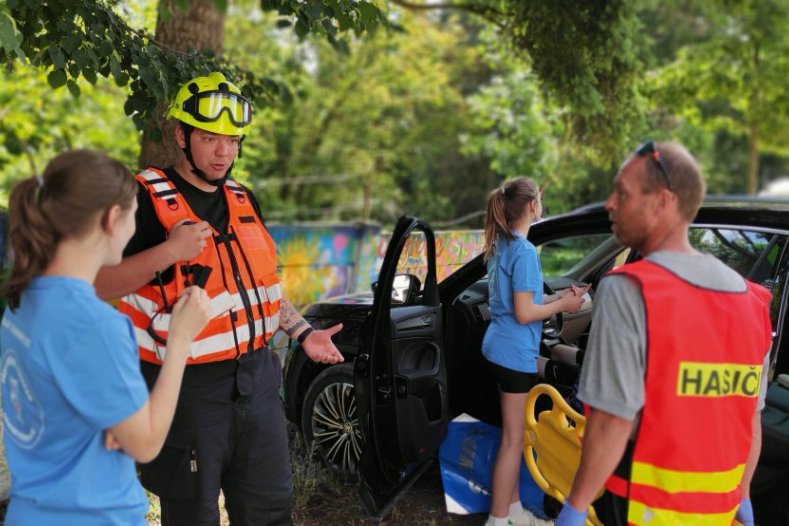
(243, 285)
(705, 351)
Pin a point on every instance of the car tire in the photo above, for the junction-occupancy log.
(330, 421)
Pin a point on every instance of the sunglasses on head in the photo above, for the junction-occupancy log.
(649, 148)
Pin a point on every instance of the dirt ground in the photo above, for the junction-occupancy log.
(334, 503)
(422, 505)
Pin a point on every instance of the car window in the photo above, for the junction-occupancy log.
(453, 250)
(567, 256)
(739, 249)
(754, 255)
(413, 258)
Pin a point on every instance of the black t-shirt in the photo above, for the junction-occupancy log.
(209, 206)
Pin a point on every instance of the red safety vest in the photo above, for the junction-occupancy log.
(705, 351)
(243, 285)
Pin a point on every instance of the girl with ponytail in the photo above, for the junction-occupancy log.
(76, 410)
(512, 340)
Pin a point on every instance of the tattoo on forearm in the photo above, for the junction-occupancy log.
(288, 317)
(293, 330)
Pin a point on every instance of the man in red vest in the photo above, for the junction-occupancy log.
(196, 225)
(673, 376)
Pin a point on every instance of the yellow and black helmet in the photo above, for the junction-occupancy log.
(212, 104)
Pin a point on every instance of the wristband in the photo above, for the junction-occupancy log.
(303, 335)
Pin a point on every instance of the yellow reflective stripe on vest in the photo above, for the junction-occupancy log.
(672, 481)
(641, 515)
(718, 379)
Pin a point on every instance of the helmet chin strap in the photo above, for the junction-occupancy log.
(195, 170)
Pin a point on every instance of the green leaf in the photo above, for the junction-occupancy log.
(56, 78)
(344, 21)
(328, 26)
(151, 79)
(301, 28)
(80, 59)
(122, 79)
(73, 87)
(369, 14)
(115, 68)
(139, 122)
(9, 37)
(70, 44)
(105, 48)
(314, 11)
(90, 75)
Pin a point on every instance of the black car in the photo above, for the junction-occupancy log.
(413, 358)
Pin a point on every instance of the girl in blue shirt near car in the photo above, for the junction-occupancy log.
(77, 413)
(512, 340)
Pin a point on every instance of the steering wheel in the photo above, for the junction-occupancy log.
(551, 327)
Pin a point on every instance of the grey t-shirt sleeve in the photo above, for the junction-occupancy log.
(612, 377)
(763, 384)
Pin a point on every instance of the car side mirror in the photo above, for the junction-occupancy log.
(405, 289)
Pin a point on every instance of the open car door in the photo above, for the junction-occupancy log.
(400, 378)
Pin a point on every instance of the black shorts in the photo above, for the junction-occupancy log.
(511, 381)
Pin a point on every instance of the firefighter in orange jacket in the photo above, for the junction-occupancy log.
(196, 225)
(672, 378)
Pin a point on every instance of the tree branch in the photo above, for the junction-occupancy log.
(488, 13)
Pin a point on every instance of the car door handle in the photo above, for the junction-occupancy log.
(420, 322)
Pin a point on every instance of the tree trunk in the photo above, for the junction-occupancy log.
(754, 106)
(201, 27)
(752, 178)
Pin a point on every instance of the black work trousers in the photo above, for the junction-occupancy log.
(228, 433)
(611, 509)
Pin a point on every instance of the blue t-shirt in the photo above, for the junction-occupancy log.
(513, 267)
(68, 370)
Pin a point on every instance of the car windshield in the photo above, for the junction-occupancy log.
(576, 256)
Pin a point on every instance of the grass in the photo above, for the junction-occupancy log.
(309, 478)
(309, 475)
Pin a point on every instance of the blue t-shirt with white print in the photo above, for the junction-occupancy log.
(513, 267)
(69, 370)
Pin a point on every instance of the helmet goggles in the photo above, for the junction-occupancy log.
(209, 106)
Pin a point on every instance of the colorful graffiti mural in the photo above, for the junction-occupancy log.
(324, 260)
(453, 250)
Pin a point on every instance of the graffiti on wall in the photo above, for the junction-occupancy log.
(453, 250)
(324, 260)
